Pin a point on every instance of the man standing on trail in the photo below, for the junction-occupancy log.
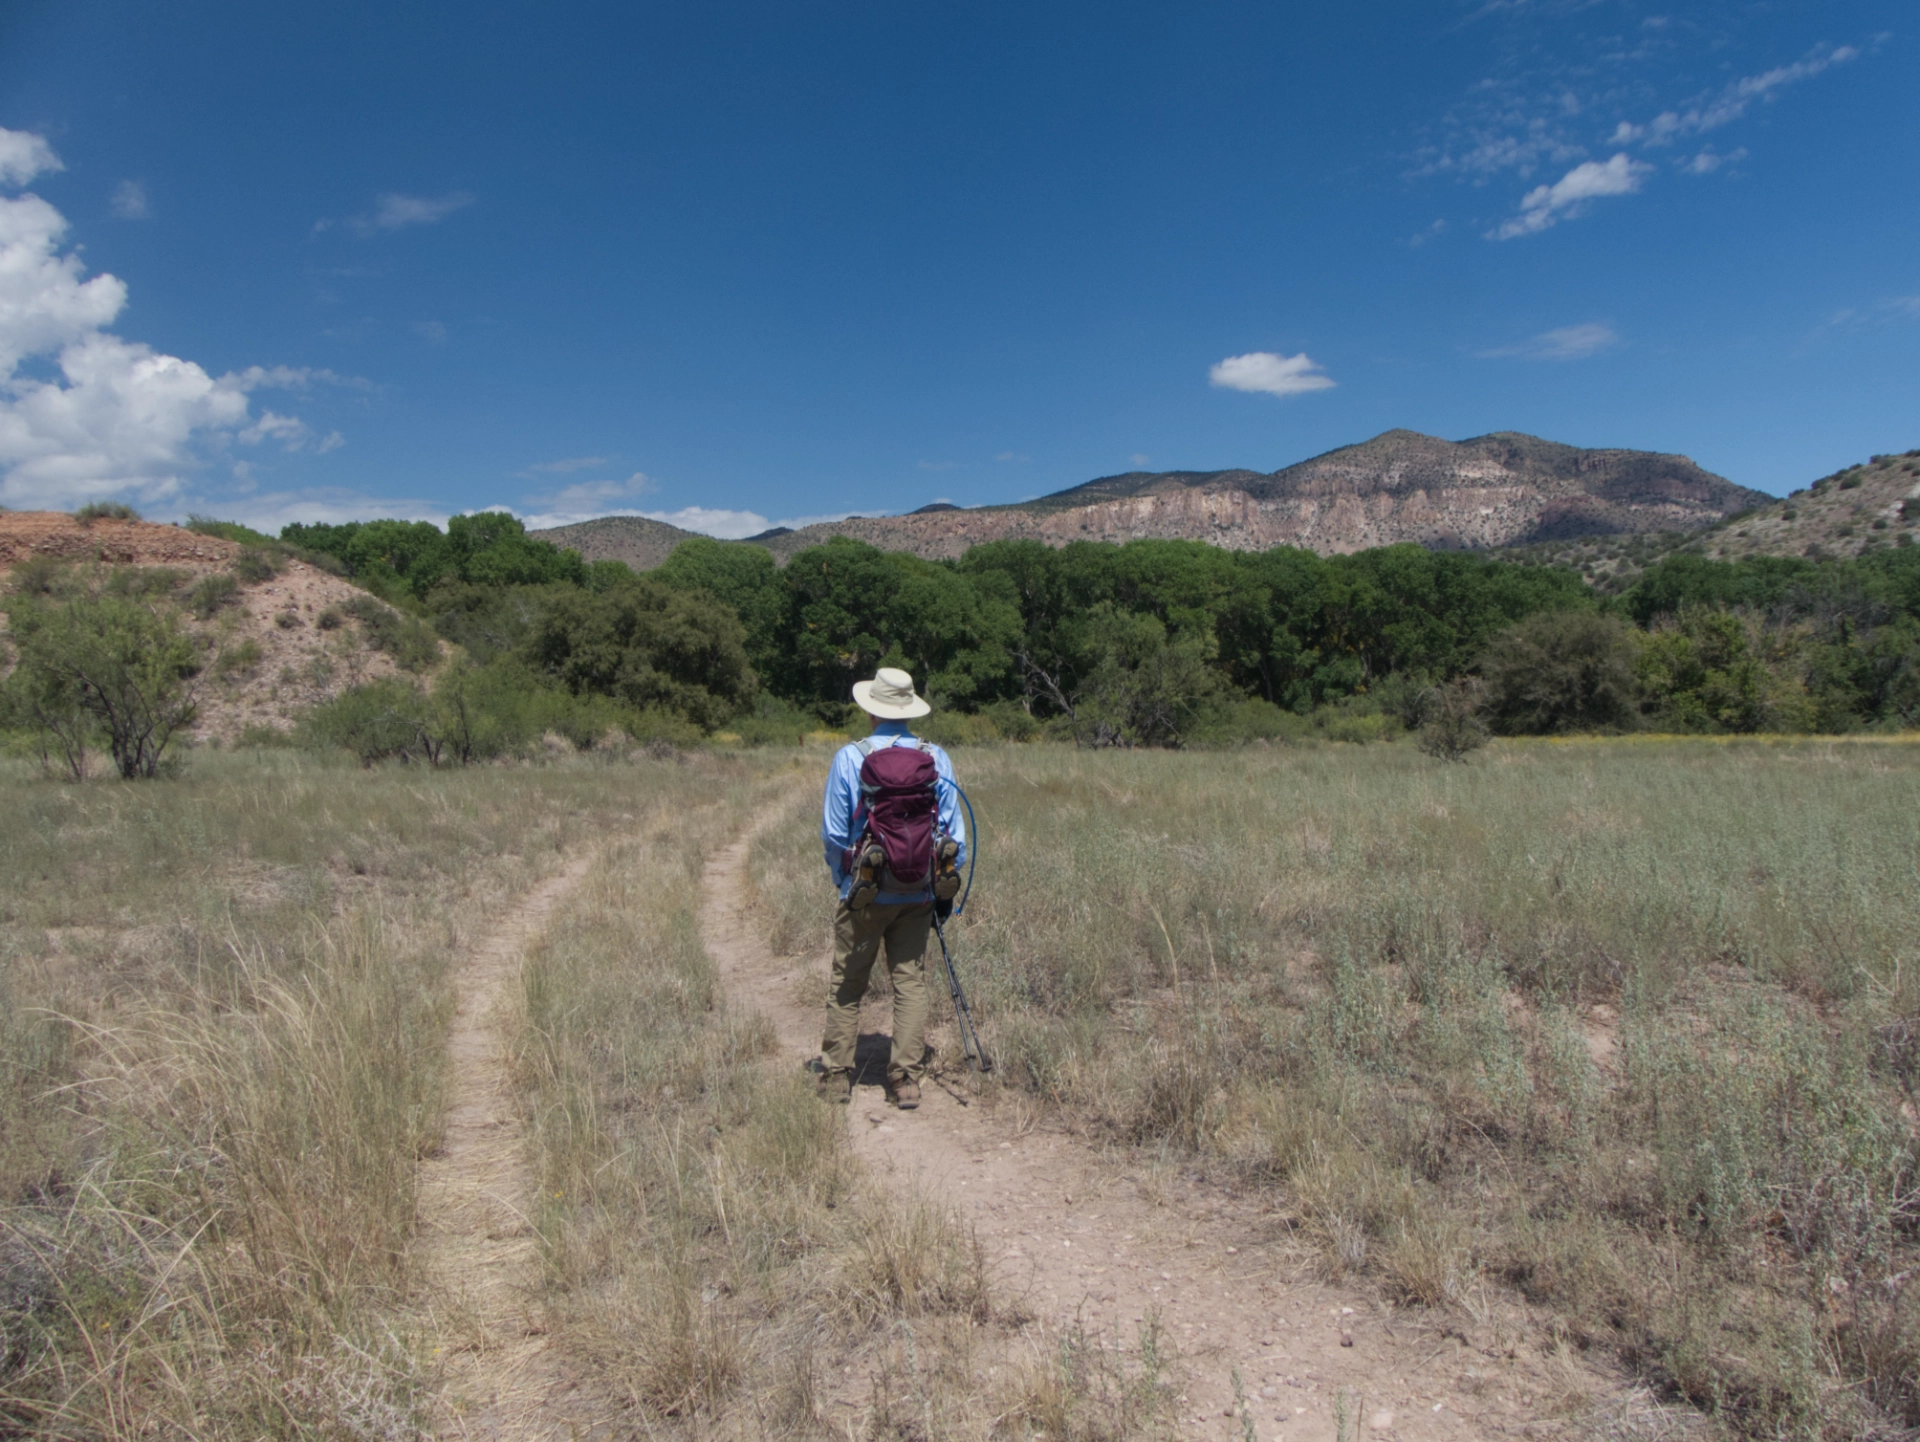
(888, 905)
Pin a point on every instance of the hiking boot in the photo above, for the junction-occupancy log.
(903, 1092)
(835, 1086)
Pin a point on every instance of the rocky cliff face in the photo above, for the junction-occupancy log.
(1498, 490)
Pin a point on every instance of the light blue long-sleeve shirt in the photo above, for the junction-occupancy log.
(843, 799)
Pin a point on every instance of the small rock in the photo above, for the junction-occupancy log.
(1382, 1420)
(1269, 1391)
(1346, 1339)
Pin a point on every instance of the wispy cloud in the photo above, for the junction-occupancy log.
(129, 200)
(394, 211)
(565, 466)
(1735, 99)
(1542, 106)
(1710, 160)
(1139, 458)
(587, 495)
(1569, 196)
(1569, 342)
(1270, 374)
(1014, 458)
(433, 332)
(939, 465)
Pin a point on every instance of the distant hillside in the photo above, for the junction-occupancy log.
(1491, 491)
(1855, 510)
(641, 543)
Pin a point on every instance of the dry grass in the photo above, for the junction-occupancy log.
(1627, 1028)
(220, 1057)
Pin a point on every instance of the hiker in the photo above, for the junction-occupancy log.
(894, 842)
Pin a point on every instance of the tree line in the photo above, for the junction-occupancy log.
(1146, 643)
(1170, 642)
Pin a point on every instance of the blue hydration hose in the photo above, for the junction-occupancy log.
(973, 848)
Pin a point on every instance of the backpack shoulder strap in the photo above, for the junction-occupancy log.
(868, 745)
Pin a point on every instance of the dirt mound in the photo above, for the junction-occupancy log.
(24, 534)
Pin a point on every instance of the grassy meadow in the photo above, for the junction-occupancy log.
(222, 1011)
(1630, 1027)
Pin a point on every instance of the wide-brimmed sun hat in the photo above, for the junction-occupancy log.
(889, 695)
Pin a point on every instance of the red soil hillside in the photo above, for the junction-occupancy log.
(118, 543)
(282, 644)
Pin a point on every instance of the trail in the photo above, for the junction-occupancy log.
(1078, 1240)
(476, 1247)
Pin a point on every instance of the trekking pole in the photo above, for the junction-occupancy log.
(977, 1056)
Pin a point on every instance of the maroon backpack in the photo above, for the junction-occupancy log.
(899, 810)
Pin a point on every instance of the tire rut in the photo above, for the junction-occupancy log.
(475, 1245)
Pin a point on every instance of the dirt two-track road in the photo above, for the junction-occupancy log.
(1074, 1238)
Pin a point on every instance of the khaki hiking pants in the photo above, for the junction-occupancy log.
(858, 937)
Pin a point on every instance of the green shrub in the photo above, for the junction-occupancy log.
(1249, 718)
(238, 660)
(106, 665)
(646, 646)
(1561, 671)
(774, 722)
(1851, 481)
(384, 720)
(330, 619)
(105, 511)
(229, 531)
(39, 576)
(957, 728)
(407, 639)
(1355, 726)
(256, 564)
(1014, 720)
(211, 594)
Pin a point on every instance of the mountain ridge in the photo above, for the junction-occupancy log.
(1487, 492)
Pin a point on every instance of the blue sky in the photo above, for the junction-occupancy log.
(733, 263)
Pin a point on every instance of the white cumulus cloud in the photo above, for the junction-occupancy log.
(1545, 205)
(1269, 374)
(84, 412)
(24, 155)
